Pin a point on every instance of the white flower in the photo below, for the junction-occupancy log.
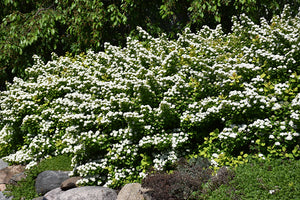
(31, 164)
(142, 175)
(295, 116)
(295, 134)
(272, 191)
(261, 156)
(214, 163)
(215, 155)
(276, 106)
(289, 137)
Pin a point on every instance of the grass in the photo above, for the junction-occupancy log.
(262, 179)
(258, 179)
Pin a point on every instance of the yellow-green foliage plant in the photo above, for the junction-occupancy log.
(120, 111)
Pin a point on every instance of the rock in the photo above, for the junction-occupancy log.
(53, 194)
(133, 191)
(38, 198)
(49, 180)
(70, 183)
(2, 187)
(18, 177)
(3, 197)
(3, 164)
(7, 173)
(83, 193)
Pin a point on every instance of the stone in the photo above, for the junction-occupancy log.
(7, 173)
(2, 187)
(38, 198)
(18, 177)
(133, 191)
(49, 180)
(4, 197)
(3, 164)
(53, 194)
(83, 193)
(70, 183)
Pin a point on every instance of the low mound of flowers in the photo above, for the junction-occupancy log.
(118, 112)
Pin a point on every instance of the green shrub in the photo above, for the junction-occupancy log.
(43, 26)
(118, 112)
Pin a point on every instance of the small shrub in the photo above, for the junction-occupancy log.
(188, 178)
(223, 177)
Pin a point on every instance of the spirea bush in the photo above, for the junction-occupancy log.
(118, 112)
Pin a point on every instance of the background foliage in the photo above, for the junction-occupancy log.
(41, 27)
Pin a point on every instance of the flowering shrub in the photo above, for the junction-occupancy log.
(117, 112)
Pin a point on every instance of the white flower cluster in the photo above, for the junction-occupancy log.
(20, 156)
(161, 160)
(156, 97)
(233, 131)
(4, 135)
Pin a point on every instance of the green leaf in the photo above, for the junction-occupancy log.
(262, 75)
(217, 18)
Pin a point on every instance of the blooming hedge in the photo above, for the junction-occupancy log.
(118, 112)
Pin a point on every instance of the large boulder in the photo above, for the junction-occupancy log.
(49, 180)
(82, 193)
(133, 191)
(53, 194)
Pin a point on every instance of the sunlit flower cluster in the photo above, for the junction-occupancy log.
(120, 111)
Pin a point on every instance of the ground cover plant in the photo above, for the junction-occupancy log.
(118, 112)
(261, 179)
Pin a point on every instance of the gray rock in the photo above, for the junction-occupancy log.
(18, 177)
(133, 191)
(49, 180)
(3, 164)
(38, 198)
(4, 197)
(85, 193)
(53, 194)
